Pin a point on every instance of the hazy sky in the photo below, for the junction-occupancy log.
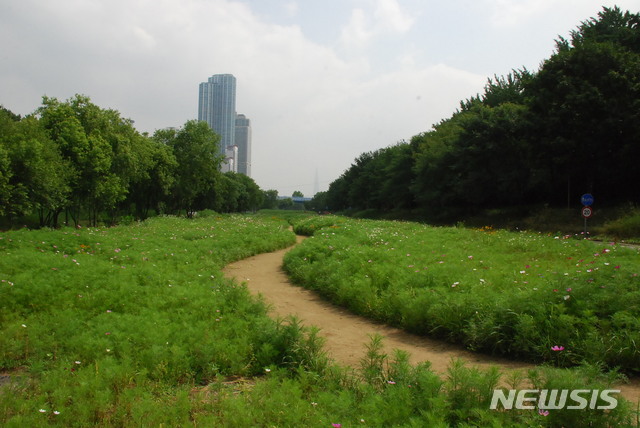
(321, 80)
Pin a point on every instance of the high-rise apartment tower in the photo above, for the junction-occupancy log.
(243, 141)
(217, 107)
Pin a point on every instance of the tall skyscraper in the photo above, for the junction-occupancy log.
(217, 107)
(243, 141)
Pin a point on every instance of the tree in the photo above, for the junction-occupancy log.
(97, 145)
(297, 194)
(584, 101)
(270, 199)
(319, 202)
(151, 188)
(40, 169)
(196, 149)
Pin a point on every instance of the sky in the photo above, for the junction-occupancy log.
(322, 81)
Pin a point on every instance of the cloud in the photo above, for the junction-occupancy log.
(390, 16)
(291, 9)
(311, 106)
(383, 17)
(511, 13)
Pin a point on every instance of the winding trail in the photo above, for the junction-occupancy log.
(347, 334)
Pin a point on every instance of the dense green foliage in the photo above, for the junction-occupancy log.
(530, 139)
(76, 158)
(136, 326)
(499, 292)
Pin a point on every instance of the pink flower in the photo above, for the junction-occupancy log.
(542, 412)
(557, 348)
(336, 425)
(390, 382)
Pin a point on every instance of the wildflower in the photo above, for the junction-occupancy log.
(390, 382)
(78, 362)
(117, 250)
(569, 289)
(566, 297)
(455, 284)
(336, 425)
(557, 348)
(42, 411)
(55, 412)
(24, 325)
(267, 370)
(542, 412)
(313, 403)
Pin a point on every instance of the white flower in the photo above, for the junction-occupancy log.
(42, 411)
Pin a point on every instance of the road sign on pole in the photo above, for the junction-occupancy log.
(587, 199)
(586, 213)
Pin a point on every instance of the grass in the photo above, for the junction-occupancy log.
(499, 292)
(105, 321)
(135, 326)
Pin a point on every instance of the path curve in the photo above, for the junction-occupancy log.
(347, 334)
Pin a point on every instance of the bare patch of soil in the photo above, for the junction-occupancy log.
(346, 334)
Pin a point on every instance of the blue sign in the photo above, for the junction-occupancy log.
(587, 199)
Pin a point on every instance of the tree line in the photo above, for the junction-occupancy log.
(73, 160)
(531, 138)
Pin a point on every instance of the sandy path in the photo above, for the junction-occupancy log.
(346, 334)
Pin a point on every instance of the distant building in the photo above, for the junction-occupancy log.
(230, 162)
(217, 107)
(243, 141)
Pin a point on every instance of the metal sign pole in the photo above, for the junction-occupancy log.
(585, 227)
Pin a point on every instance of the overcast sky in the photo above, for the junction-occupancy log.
(321, 80)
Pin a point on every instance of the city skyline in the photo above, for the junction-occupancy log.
(217, 107)
(323, 82)
(243, 141)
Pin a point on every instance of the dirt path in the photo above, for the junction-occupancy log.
(346, 334)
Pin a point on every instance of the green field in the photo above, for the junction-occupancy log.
(505, 293)
(135, 326)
